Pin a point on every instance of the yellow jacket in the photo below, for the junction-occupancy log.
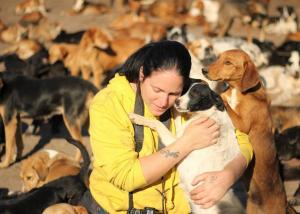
(117, 169)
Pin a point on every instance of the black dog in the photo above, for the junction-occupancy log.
(35, 66)
(22, 96)
(73, 38)
(288, 143)
(68, 189)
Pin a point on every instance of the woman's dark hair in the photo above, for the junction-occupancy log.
(158, 55)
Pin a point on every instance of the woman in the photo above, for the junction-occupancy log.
(128, 175)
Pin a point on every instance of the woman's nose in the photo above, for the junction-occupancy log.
(163, 101)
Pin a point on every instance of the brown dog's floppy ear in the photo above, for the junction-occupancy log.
(250, 77)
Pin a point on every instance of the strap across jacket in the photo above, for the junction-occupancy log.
(139, 130)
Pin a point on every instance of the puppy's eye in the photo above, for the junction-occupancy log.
(227, 63)
(28, 177)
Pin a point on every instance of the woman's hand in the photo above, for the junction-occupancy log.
(201, 133)
(211, 187)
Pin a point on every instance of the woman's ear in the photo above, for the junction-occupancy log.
(141, 74)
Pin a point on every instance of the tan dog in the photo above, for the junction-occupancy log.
(28, 6)
(45, 166)
(166, 10)
(44, 31)
(89, 9)
(24, 48)
(66, 53)
(248, 107)
(148, 31)
(13, 33)
(31, 18)
(127, 20)
(99, 54)
(64, 208)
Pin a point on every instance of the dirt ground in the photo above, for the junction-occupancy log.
(9, 177)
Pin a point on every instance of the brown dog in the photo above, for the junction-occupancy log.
(28, 6)
(13, 33)
(45, 166)
(248, 107)
(96, 53)
(45, 31)
(24, 48)
(66, 53)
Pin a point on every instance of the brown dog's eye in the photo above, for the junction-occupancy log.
(227, 63)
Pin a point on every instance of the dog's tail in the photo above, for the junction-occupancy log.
(84, 171)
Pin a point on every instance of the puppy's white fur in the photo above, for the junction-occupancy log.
(212, 158)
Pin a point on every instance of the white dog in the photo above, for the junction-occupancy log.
(204, 103)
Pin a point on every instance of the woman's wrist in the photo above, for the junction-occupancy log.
(184, 146)
(236, 168)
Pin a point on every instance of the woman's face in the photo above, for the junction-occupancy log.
(161, 89)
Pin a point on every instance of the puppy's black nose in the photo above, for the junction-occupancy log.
(177, 102)
(204, 71)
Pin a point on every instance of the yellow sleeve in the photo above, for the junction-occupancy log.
(245, 145)
(112, 143)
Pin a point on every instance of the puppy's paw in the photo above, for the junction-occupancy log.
(137, 119)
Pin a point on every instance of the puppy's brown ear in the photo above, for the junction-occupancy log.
(250, 77)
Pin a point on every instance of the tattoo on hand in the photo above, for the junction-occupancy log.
(168, 153)
(212, 178)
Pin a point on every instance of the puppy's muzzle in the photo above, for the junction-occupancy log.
(205, 71)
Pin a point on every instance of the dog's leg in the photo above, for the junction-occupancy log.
(86, 74)
(19, 139)
(10, 142)
(237, 121)
(75, 131)
(73, 67)
(165, 135)
(98, 77)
